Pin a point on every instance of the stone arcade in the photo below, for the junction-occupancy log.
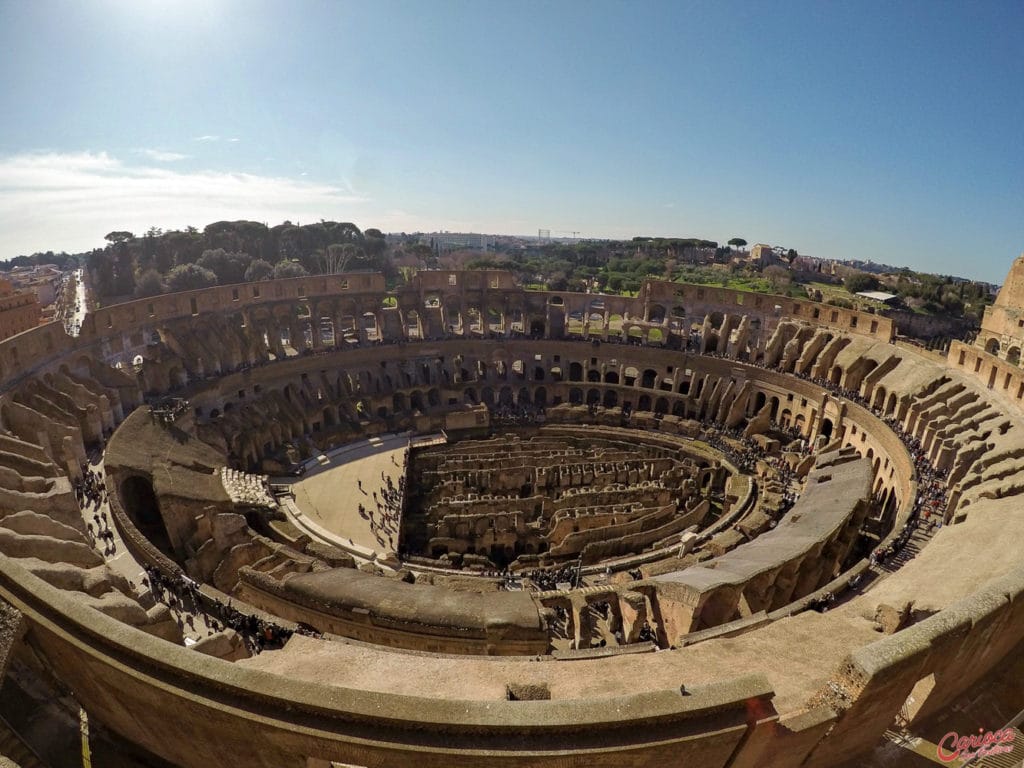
(786, 443)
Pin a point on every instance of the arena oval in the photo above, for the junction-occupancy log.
(745, 674)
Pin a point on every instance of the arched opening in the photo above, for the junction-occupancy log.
(611, 398)
(593, 397)
(540, 397)
(650, 376)
(1013, 355)
(594, 376)
(890, 405)
(992, 347)
(143, 509)
(576, 396)
(879, 398)
(826, 428)
(611, 377)
(644, 404)
(575, 372)
(759, 400)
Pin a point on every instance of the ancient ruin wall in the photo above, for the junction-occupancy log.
(280, 722)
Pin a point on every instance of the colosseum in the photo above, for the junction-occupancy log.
(315, 522)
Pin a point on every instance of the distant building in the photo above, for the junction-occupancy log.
(19, 311)
(762, 255)
(457, 241)
(43, 280)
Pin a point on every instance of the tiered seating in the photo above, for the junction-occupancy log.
(245, 488)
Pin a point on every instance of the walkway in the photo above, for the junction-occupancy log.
(342, 498)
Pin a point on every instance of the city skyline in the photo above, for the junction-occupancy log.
(882, 132)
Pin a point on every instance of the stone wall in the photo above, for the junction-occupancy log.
(442, 341)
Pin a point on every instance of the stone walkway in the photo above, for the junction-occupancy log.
(328, 496)
(117, 557)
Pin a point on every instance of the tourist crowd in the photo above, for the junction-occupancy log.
(182, 595)
(385, 516)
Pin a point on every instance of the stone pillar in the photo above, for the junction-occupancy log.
(583, 625)
(632, 608)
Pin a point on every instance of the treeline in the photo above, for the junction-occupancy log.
(940, 294)
(934, 294)
(230, 252)
(63, 261)
(611, 266)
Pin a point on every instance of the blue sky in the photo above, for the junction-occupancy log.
(889, 131)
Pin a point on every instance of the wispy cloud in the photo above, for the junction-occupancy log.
(161, 156)
(206, 137)
(68, 201)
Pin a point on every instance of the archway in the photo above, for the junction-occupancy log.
(143, 508)
(540, 397)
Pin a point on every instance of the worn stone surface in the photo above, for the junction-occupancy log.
(12, 629)
(470, 353)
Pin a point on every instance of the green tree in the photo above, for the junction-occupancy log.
(738, 242)
(187, 277)
(860, 281)
(286, 268)
(229, 267)
(150, 283)
(258, 270)
(101, 267)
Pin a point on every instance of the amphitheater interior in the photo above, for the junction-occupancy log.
(692, 527)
